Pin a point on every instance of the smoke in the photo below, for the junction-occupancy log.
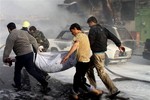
(44, 14)
(26, 8)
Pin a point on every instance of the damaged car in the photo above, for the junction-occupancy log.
(64, 41)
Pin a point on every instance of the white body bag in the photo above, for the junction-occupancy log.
(50, 61)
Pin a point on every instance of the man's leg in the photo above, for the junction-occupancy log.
(84, 85)
(77, 79)
(99, 64)
(17, 73)
(26, 80)
(90, 73)
(30, 67)
(44, 74)
(91, 77)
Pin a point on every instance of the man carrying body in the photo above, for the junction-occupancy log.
(82, 46)
(20, 42)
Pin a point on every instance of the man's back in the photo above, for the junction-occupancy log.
(83, 51)
(98, 36)
(20, 41)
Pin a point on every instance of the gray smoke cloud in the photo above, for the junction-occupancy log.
(44, 14)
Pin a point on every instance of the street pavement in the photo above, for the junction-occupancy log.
(131, 78)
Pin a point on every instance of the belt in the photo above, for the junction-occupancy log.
(98, 52)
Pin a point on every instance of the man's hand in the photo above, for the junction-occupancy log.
(41, 48)
(64, 59)
(8, 61)
(122, 49)
(73, 48)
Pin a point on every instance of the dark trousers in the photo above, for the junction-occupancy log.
(43, 73)
(79, 77)
(27, 62)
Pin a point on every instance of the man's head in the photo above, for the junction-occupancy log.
(32, 29)
(75, 28)
(92, 21)
(11, 26)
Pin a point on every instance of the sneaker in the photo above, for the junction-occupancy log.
(114, 95)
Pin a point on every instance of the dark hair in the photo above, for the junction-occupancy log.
(92, 19)
(11, 26)
(75, 25)
(24, 28)
(32, 28)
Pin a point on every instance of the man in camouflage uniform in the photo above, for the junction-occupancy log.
(43, 45)
(41, 39)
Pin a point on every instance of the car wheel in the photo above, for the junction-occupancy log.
(54, 50)
(106, 60)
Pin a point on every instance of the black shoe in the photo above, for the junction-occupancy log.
(114, 95)
(17, 88)
(45, 90)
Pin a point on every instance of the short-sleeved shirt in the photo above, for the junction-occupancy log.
(83, 51)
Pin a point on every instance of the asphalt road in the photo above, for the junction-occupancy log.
(132, 78)
(136, 88)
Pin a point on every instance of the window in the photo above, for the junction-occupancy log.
(124, 34)
(112, 30)
(67, 36)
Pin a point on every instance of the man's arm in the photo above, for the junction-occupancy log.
(115, 40)
(112, 37)
(73, 48)
(8, 47)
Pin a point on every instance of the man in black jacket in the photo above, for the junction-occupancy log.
(98, 36)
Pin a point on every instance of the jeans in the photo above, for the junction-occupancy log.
(79, 77)
(97, 61)
(27, 62)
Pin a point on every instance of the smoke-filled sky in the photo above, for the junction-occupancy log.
(28, 7)
(44, 14)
